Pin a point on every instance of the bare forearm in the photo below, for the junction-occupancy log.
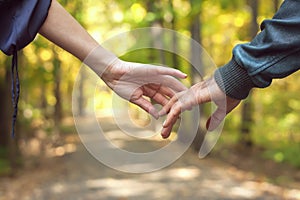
(63, 30)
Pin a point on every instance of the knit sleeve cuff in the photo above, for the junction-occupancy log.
(234, 80)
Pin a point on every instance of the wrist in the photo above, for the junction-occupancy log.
(101, 61)
(234, 80)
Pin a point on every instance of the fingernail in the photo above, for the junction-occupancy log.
(163, 135)
(154, 113)
(161, 113)
(208, 124)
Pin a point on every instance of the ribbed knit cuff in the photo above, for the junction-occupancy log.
(233, 80)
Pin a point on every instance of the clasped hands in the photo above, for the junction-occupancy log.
(135, 81)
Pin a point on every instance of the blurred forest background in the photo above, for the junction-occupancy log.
(268, 119)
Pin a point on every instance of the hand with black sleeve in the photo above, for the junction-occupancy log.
(273, 53)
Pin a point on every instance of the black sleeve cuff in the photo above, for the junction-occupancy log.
(234, 80)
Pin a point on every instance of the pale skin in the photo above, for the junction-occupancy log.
(132, 81)
(199, 93)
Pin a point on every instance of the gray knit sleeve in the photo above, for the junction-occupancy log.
(233, 80)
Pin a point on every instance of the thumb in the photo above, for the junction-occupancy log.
(215, 119)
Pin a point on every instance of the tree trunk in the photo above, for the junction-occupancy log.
(196, 52)
(196, 62)
(57, 93)
(276, 5)
(6, 140)
(81, 94)
(5, 105)
(175, 62)
(157, 36)
(247, 107)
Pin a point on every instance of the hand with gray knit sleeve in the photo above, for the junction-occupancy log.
(273, 53)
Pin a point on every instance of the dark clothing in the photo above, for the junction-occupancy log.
(20, 21)
(273, 53)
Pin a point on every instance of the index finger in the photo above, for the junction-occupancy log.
(171, 120)
(160, 70)
(166, 108)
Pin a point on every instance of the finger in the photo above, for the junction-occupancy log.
(147, 106)
(215, 119)
(155, 95)
(173, 115)
(169, 71)
(187, 100)
(171, 82)
(166, 91)
(165, 80)
(166, 131)
(160, 99)
(154, 70)
(159, 94)
(166, 108)
(224, 107)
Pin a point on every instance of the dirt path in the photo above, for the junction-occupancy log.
(77, 175)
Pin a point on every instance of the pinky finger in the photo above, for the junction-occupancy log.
(147, 106)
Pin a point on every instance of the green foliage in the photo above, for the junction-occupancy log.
(284, 153)
(231, 4)
(224, 23)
